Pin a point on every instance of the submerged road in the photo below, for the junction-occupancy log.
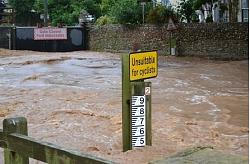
(74, 100)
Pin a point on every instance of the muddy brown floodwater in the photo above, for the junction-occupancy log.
(74, 100)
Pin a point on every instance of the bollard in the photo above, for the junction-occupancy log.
(14, 125)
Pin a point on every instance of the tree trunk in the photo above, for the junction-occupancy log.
(233, 10)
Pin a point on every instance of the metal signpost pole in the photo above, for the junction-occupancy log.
(143, 12)
(45, 13)
(143, 3)
(171, 27)
(170, 39)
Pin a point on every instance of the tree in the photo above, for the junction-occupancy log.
(161, 14)
(24, 13)
(233, 10)
(205, 5)
(126, 12)
(186, 10)
(106, 6)
(93, 7)
(68, 11)
(2, 5)
(22, 7)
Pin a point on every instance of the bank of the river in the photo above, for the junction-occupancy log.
(74, 100)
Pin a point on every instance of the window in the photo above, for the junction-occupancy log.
(245, 15)
(245, 11)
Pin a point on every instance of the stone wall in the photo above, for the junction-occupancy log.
(224, 40)
(120, 38)
(228, 40)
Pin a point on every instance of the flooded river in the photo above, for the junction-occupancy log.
(74, 100)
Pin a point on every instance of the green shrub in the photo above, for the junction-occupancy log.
(209, 19)
(103, 20)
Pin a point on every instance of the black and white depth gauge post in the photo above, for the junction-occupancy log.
(136, 98)
(138, 117)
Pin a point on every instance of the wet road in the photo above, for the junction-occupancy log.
(74, 100)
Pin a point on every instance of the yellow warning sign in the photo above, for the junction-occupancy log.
(143, 65)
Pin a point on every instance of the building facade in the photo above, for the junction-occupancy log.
(220, 11)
